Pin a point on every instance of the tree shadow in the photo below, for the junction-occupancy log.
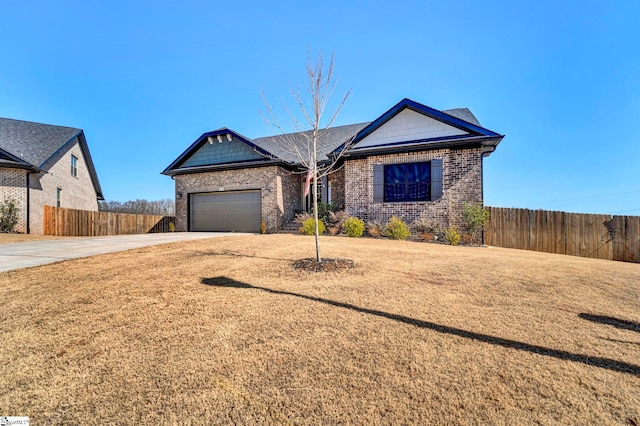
(230, 253)
(616, 322)
(605, 363)
(226, 282)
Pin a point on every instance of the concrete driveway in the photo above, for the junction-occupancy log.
(34, 253)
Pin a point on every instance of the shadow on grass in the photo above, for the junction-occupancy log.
(606, 363)
(617, 323)
(230, 253)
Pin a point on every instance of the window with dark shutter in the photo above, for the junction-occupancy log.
(407, 182)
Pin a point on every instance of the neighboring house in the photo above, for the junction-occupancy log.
(413, 162)
(42, 165)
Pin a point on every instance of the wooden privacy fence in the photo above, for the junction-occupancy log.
(587, 235)
(74, 223)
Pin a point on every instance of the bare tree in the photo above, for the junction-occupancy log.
(310, 125)
(165, 207)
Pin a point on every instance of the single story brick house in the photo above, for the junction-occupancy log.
(42, 164)
(413, 161)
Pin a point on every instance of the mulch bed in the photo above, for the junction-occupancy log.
(325, 265)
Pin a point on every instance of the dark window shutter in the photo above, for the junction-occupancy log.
(436, 179)
(378, 183)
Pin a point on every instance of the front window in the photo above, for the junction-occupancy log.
(58, 193)
(74, 166)
(407, 182)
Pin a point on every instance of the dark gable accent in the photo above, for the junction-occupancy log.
(180, 162)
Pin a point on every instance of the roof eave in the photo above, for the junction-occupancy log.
(13, 165)
(488, 144)
(15, 162)
(228, 166)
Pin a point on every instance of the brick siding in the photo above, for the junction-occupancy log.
(337, 188)
(13, 187)
(281, 192)
(77, 192)
(462, 182)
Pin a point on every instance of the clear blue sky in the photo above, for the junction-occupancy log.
(145, 78)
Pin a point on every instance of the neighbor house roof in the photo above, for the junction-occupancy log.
(29, 145)
(334, 139)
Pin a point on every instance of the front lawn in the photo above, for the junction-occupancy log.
(23, 238)
(224, 331)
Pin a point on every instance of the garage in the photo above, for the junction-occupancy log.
(231, 211)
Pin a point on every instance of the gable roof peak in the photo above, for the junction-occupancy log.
(33, 145)
(34, 142)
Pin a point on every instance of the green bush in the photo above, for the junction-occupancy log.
(325, 210)
(353, 227)
(396, 229)
(309, 227)
(475, 217)
(452, 236)
(8, 216)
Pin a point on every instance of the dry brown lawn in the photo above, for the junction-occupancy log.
(225, 331)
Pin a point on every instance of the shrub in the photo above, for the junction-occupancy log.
(301, 218)
(325, 210)
(354, 227)
(335, 221)
(309, 227)
(475, 217)
(396, 229)
(8, 216)
(452, 236)
(263, 227)
(427, 229)
(374, 228)
(172, 227)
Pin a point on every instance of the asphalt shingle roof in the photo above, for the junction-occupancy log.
(333, 137)
(463, 114)
(284, 147)
(329, 140)
(32, 142)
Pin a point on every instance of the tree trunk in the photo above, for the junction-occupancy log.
(315, 211)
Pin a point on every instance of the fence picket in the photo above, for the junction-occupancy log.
(71, 222)
(558, 232)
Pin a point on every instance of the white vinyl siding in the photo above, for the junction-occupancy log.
(409, 126)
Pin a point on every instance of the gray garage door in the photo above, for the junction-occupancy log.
(234, 211)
